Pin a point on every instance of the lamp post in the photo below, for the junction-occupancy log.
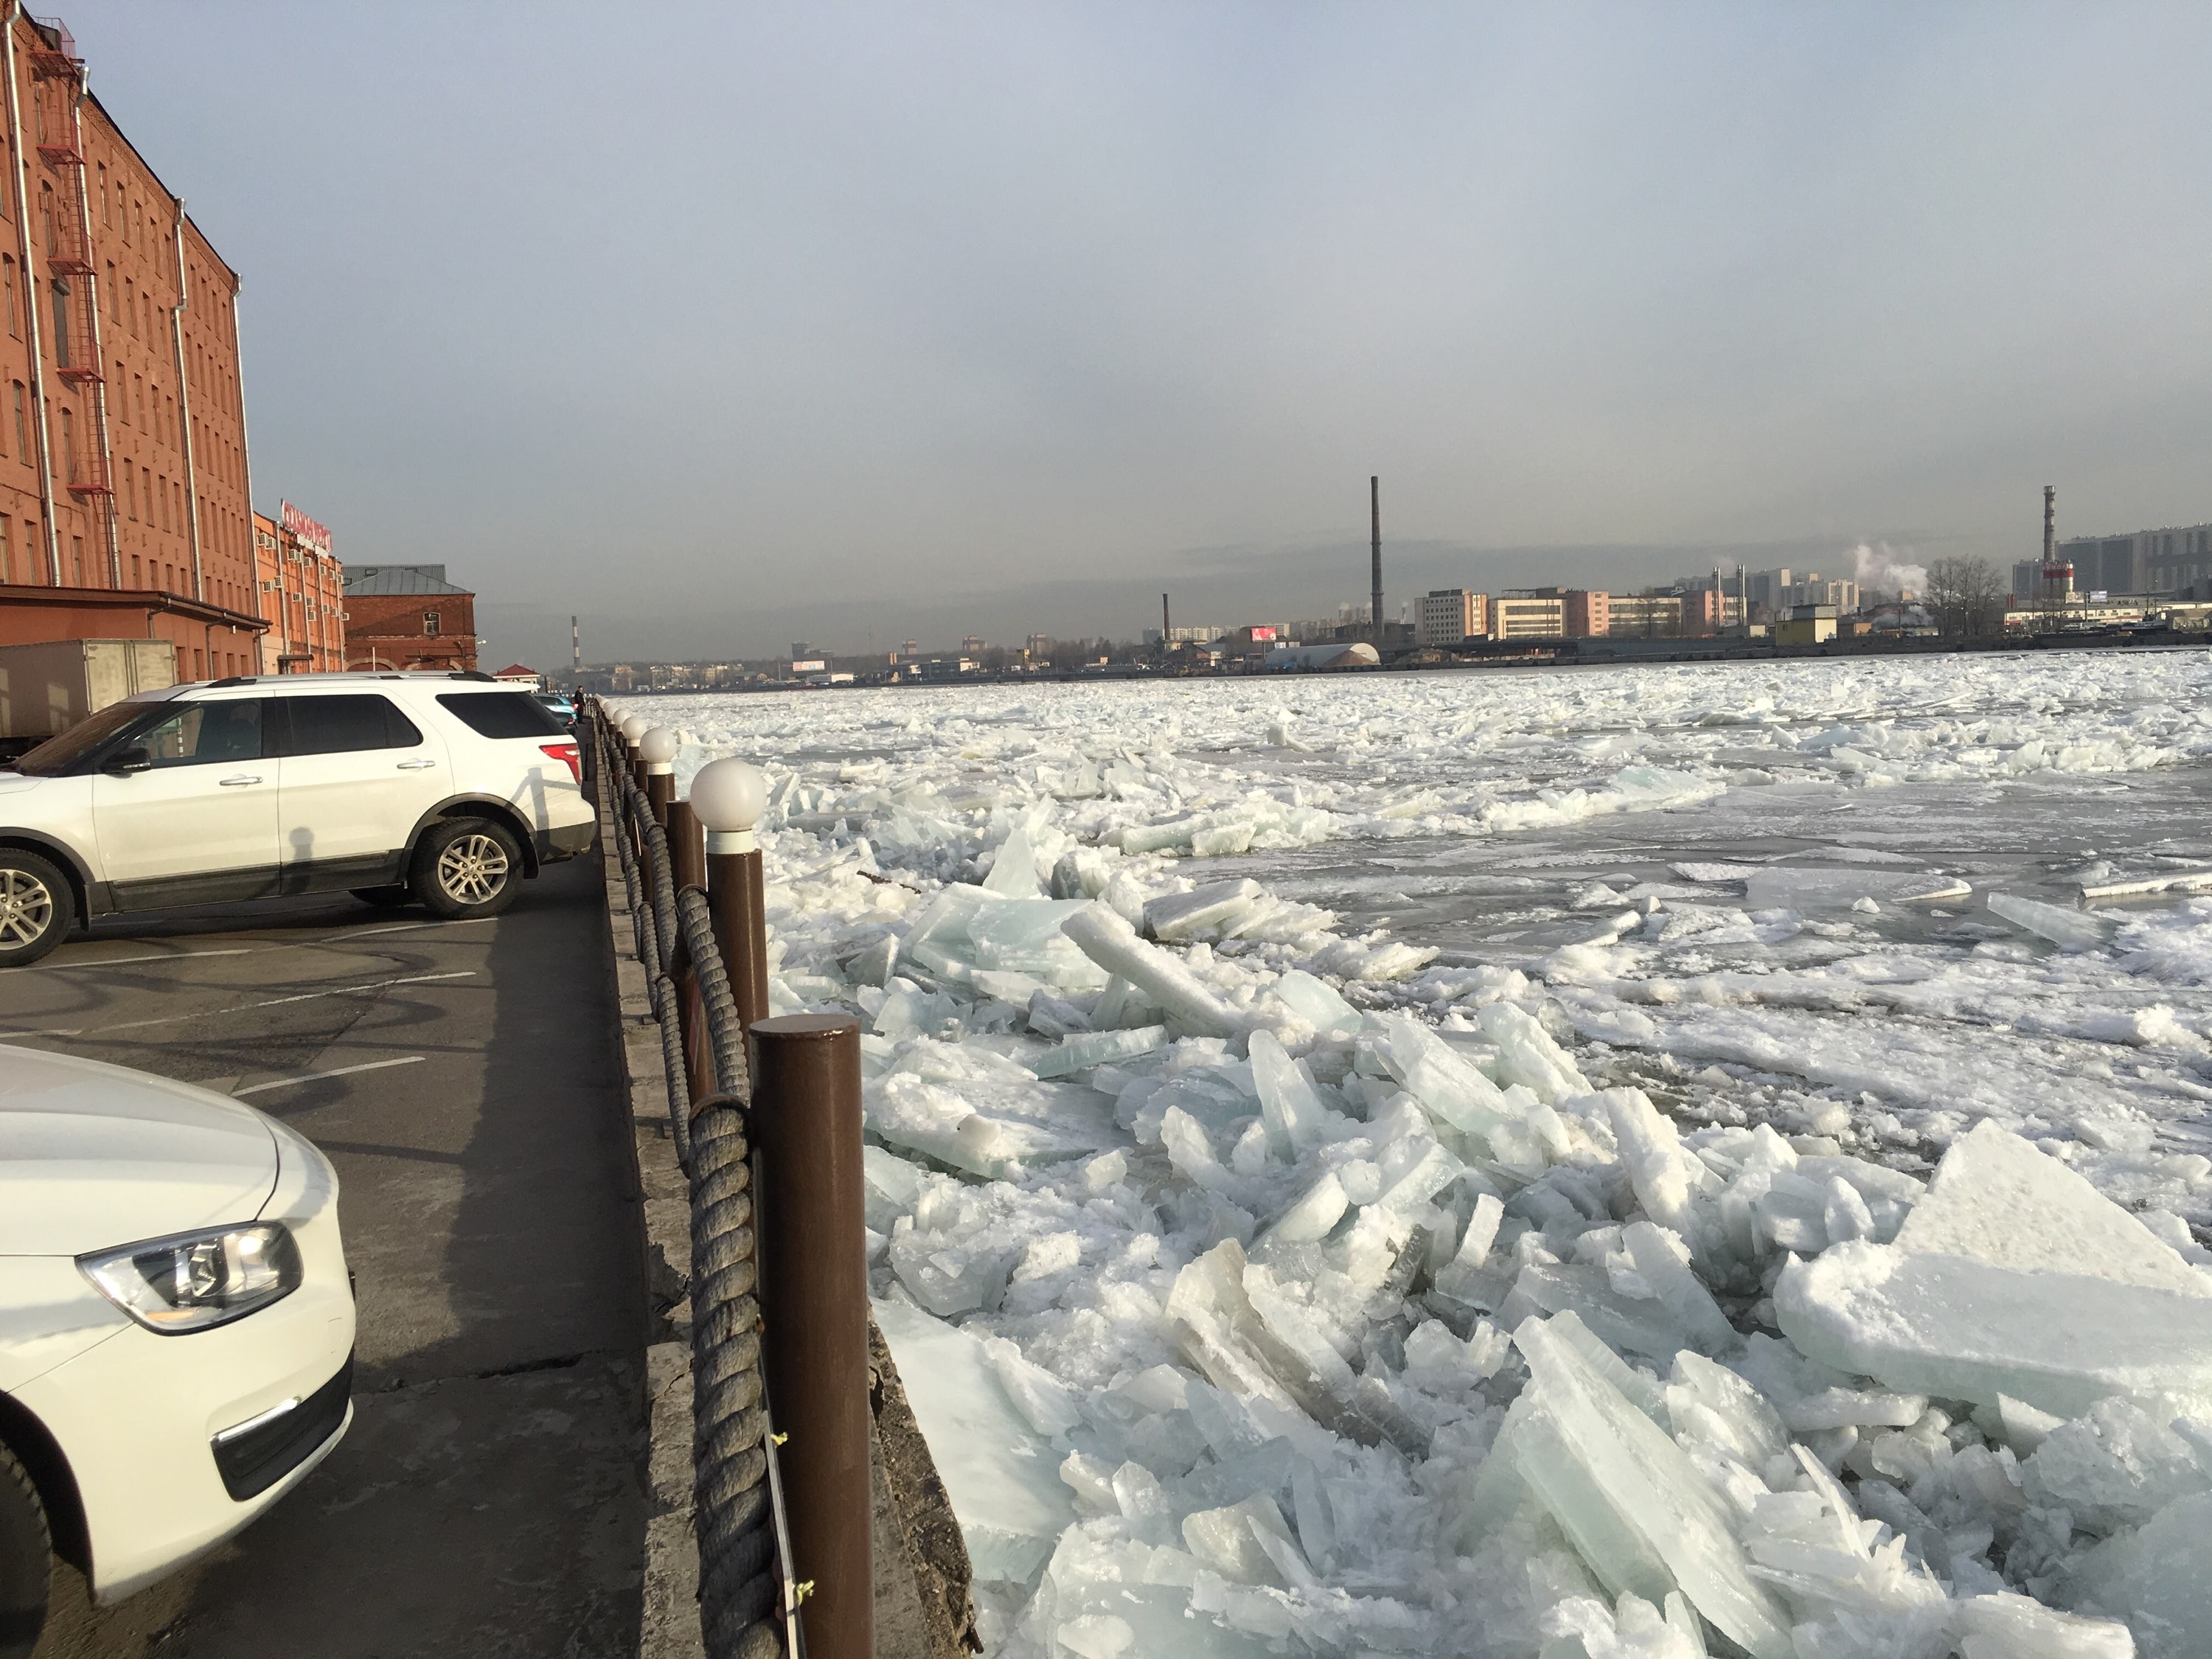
(656, 752)
(632, 727)
(727, 798)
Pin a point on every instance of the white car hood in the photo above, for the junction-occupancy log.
(93, 1156)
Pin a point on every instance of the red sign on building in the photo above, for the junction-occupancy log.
(306, 529)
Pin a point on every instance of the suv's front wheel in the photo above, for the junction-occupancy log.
(35, 908)
(26, 1565)
(466, 867)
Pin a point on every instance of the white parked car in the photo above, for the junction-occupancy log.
(176, 1324)
(448, 788)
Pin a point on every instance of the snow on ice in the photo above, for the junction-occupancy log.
(1790, 1244)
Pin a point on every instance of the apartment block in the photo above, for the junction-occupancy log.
(1445, 616)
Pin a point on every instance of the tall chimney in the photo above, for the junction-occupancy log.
(575, 648)
(1375, 560)
(2050, 523)
(1167, 633)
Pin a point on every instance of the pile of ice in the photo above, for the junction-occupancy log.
(1266, 1289)
(1283, 1324)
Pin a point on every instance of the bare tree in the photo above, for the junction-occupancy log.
(1966, 598)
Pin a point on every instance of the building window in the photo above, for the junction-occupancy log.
(130, 490)
(7, 549)
(77, 559)
(430, 623)
(104, 218)
(22, 423)
(69, 446)
(135, 578)
(15, 313)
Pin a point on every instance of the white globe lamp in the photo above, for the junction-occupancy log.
(727, 798)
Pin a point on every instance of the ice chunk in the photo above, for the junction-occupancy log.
(1707, 1402)
(1234, 1541)
(1959, 1329)
(2071, 930)
(2115, 1465)
(1313, 1212)
(1037, 1394)
(965, 929)
(1444, 1080)
(1527, 1055)
(875, 964)
(1997, 1198)
(1649, 1490)
(1002, 1476)
(1113, 944)
(2156, 1580)
(1295, 1117)
(890, 1186)
(1842, 1409)
(1473, 1245)
(1314, 1002)
(1013, 871)
(1205, 913)
(2006, 1626)
(1664, 1266)
(1081, 1050)
(1658, 1167)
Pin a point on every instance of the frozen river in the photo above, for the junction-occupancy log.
(1212, 1207)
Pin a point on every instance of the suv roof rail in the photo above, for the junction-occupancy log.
(473, 674)
(234, 679)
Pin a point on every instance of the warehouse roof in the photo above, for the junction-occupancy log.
(400, 578)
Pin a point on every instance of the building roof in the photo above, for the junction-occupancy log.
(371, 578)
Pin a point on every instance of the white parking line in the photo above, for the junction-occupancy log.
(317, 1077)
(406, 927)
(243, 1007)
(158, 955)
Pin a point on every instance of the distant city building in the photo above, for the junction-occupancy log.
(1807, 625)
(2141, 561)
(1644, 615)
(300, 591)
(409, 615)
(1572, 613)
(1176, 636)
(1445, 616)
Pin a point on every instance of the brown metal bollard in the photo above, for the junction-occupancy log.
(656, 753)
(686, 850)
(805, 1119)
(735, 903)
(727, 798)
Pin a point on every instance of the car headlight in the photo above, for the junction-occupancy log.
(194, 1282)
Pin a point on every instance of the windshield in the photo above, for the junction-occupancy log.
(61, 753)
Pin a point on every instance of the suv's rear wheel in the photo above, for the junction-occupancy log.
(467, 867)
(35, 907)
(25, 1560)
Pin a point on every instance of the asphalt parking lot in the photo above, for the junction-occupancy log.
(462, 1077)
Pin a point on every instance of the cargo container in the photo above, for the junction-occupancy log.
(48, 687)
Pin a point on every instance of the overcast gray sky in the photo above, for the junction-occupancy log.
(729, 324)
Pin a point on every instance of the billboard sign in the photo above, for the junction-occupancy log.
(300, 528)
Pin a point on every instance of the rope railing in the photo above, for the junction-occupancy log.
(747, 1596)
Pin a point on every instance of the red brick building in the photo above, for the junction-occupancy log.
(302, 587)
(123, 487)
(407, 615)
(1589, 613)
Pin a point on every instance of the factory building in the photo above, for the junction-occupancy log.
(1446, 615)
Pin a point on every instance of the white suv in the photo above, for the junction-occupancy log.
(442, 787)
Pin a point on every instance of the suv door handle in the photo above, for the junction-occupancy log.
(415, 765)
(238, 782)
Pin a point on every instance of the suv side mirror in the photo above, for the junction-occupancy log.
(124, 761)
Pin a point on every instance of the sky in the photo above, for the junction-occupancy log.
(727, 326)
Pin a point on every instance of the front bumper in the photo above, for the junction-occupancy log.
(140, 1417)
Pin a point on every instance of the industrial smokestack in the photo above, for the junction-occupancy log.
(575, 649)
(2050, 523)
(1375, 561)
(1167, 633)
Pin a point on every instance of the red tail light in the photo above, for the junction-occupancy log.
(568, 755)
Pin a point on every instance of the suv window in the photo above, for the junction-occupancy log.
(203, 733)
(61, 752)
(502, 715)
(337, 726)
